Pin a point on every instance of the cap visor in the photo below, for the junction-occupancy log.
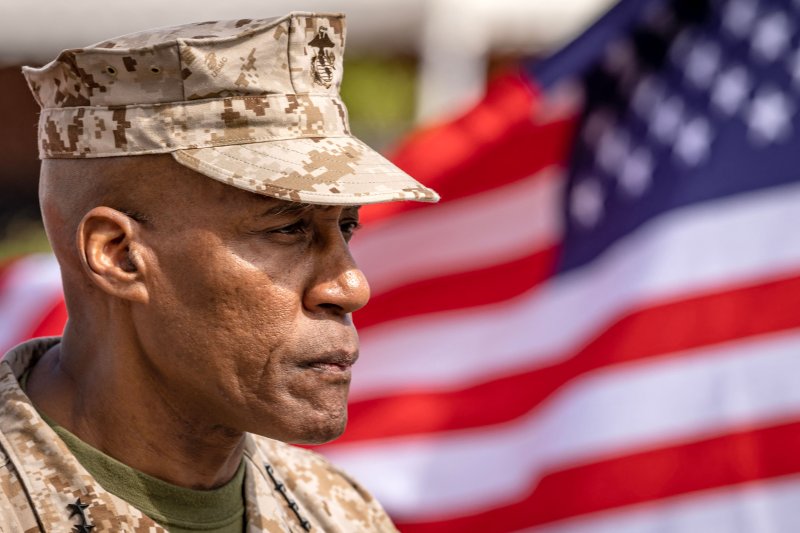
(328, 170)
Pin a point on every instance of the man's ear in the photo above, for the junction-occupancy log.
(110, 251)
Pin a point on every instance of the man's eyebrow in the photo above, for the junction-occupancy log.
(287, 208)
(299, 208)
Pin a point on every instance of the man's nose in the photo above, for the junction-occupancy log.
(339, 286)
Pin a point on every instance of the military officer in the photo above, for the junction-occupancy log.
(199, 187)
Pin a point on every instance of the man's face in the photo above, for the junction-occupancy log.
(248, 321)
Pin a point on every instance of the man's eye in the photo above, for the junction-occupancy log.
(349, 228)
(297, 228)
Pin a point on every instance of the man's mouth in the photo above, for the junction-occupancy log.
(329, 367)
(335, 362)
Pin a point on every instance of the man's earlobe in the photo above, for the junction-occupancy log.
(108, 242)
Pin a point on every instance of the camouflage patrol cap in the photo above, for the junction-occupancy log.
(251, 103)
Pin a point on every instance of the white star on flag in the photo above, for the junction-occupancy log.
(586, 203)
(771, 36)
(702, 64)
(730, 90)
(694, 141)
(596, 125)
(646, 96)
(637, 172)
(667, 119)
(739, 17)
(612, 150)
(769, 116)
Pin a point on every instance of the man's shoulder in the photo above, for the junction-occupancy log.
(16, 513)
(318, 484)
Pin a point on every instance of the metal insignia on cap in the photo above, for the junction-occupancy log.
(322, 62)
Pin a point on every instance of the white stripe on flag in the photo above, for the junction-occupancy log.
(617, 410)
(742, 239)
(33, 286)
(478, 231)
(761, 507)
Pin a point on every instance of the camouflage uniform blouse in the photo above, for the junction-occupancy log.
(44, 488)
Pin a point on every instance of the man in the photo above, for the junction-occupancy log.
(199, 187)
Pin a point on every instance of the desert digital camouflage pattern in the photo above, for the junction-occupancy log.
(252, 103)
(43, 488)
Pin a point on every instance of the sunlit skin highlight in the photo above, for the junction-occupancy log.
(198, 312)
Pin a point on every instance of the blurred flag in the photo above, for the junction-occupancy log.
(598, 329)
(31, 300)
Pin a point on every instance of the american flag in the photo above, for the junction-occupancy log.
(598, 328)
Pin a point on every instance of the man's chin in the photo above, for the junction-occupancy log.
(311, 431)
(321, 434)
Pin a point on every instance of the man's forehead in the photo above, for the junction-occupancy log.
(157, 179)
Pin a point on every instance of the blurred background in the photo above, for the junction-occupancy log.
(597, 329)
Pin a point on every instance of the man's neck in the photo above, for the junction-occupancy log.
(106, 398)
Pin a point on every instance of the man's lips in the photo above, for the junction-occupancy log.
(333, 362)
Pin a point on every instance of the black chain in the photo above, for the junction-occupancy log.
(280, 487)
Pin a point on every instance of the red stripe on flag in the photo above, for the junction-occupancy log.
(53, 322)
(748, 455)
(5, 269)
(667, 328)
(462, 290)
(489, 146)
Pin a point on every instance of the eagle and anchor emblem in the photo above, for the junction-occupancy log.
(322, 62)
